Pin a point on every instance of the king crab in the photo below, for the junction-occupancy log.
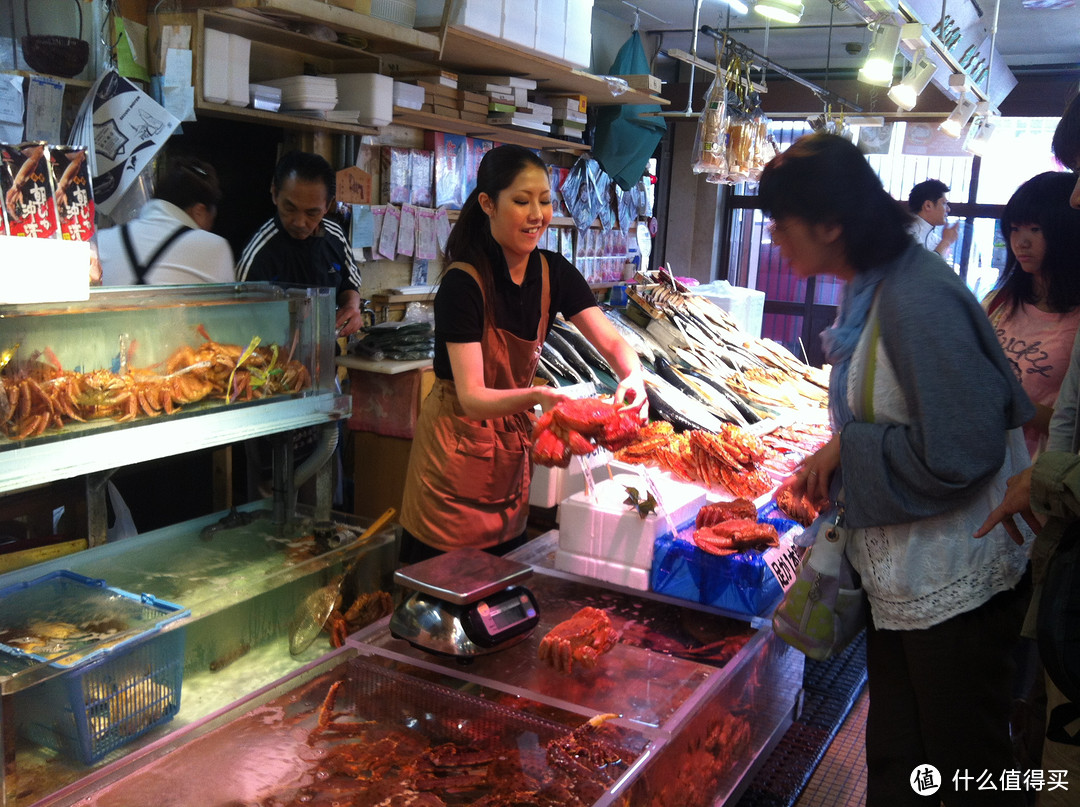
(580, 426)
(583, 638)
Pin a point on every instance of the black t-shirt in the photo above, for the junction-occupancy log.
(459, 304)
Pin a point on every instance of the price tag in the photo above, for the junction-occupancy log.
(783, 560)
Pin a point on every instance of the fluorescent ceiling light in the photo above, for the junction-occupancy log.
(780, 10)
(907, 91)
(958, 118)
(878, 68)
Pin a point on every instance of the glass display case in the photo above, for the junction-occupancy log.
(135, 374)
(718, 691)
(143, 372)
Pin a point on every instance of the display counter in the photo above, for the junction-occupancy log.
(693, 700)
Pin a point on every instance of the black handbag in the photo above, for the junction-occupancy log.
(64, 56)
(1058, 624)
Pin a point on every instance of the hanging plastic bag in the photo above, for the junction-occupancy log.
(709, 154)
(606, 209)
(579, 192)
(123, 524)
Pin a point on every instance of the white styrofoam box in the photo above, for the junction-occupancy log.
(746, 306)
(602, 526)
(550, 27)
(403, 12)
(408, 96)
(549, 486)
(43, 270)
(577, 49)
(215, 54)
(371, 95)
(621, 574)
(519, 22)
(483, 16)
(239, 66)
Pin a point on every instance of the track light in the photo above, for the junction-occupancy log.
(905, 93)
(738, 6)
(978, 139)
(878, 67)
(958, 118)
(780, 10)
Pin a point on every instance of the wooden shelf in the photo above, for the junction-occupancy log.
(73, 82)
(281, 119)
(467, 51)
(380, 36)
(503, 134)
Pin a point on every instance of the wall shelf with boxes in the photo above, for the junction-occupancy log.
(502, 134)
(468, 51)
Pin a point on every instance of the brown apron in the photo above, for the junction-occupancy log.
(468, 480)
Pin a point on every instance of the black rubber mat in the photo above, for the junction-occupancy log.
(829, 691)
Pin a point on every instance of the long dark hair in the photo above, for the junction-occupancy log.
(470, 239)
(825, 179)
(1066, 142)
(1044, 200)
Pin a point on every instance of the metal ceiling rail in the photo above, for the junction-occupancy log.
(826, 96)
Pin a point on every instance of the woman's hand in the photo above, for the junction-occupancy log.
(631, 394)
(813, 476)
(1017, 500)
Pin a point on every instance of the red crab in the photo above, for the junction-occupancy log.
(800, 508)
(580, 426)
(735, 535)
(583, 638)
(725, 511)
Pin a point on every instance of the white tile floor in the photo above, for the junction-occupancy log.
(840, 778)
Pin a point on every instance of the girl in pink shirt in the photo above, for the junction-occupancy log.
(1035, 308)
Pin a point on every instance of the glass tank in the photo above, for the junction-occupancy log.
(133, 355)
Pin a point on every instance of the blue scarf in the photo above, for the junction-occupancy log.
(840, 339)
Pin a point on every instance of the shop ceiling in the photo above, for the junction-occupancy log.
(833, 37)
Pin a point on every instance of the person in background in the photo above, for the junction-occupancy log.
(928, 202)
(1035, 307)
(170, 242)
(1045, 496)
(468, 477)
(915, 458)
(299, 244)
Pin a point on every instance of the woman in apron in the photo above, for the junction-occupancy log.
(468, 478)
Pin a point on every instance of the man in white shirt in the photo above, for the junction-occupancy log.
(928, 202)
(170, 243)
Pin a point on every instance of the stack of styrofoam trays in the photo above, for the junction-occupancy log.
(316, 93)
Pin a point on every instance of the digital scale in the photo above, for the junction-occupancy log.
(466, 603)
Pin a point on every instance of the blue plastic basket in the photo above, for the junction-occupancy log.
(107, 695)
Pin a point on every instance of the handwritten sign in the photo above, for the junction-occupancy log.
(354, 186)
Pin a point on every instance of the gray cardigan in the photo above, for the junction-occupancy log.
(959, 388)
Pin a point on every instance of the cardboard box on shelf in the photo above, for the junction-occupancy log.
(643, 82)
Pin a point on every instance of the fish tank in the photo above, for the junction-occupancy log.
(129, 356)
(194, 617)
(348, 730)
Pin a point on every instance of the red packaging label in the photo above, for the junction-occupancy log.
(28, 200)
(72, 191)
